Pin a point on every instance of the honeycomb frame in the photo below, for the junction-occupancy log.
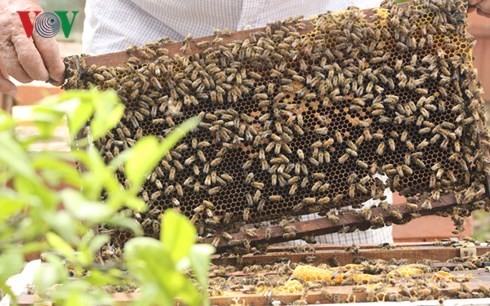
(303, 116)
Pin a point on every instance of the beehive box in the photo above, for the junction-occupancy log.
(333, 274)
(303, 116)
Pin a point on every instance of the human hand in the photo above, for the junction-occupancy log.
(25, 59)
(482, 7)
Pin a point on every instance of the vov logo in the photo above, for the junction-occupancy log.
(47, 24)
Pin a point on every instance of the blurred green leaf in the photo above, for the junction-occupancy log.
(63, 224)
(13, 156)
(78, 107)
(57, 168)
(7, 123)
(135, 203)
(176, 135)
(11, 263)
(145, 154)
(81, 292)
(79, 116)
(60, 245)
(200, 257)
(48, 275)
(88, 246)
(11, 204)
(61, 208)
(83, 209)
(150, 263)
(127, 223)
(108, 112)
(177, 234)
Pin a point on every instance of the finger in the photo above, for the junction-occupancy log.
(5, 85)
(50, 53)
(484, 6)
(471, 10)
(29, 58)
(55, 83)
(13, 67)
(474, 2)
(482, 13)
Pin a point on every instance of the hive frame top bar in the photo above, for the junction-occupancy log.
(321, 226)
(118, 58)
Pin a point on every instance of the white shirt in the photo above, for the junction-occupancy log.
(115, 25)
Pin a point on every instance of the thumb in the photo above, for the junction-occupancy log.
(484, 6)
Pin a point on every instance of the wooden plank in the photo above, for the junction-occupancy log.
(340, 247)
(341, 257)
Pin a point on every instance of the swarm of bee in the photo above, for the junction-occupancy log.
(368, 280)
(303, 116)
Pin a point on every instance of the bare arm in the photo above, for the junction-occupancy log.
(25, 59)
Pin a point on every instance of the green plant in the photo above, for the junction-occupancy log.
(48, 206)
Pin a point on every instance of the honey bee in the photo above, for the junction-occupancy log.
(419, 163)
(410, 145)
(381, 148)
(361, 188)
(258, 185)
(339, 137)
(275, 198)
(214, 190)
(343, 158)
(246, 214)
(298, 207)
(226, 236)
(261, 206)
(289, 235)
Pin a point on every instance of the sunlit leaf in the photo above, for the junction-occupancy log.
(11, 263)
(10, 204)
(84, 209)
(200, 257)
(15, 157)
(47, 275)
(56, 168)
(7, 123)
(145, 155)
(177, 234)
(63, 224)
(78, 117)
(60, 245)
(176, 135)
(148, 151)
(149, 261)
(136, 204)
(108, 112)
(189, 295)
(127, 223)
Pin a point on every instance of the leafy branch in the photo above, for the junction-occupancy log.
(49, 207)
